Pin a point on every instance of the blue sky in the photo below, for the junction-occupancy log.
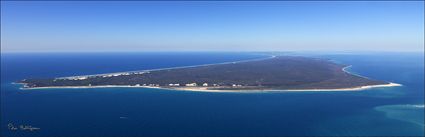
(211, 26)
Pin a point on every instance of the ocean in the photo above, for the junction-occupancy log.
(391, 111)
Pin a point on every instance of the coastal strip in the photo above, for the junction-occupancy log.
(206, 89)
(346, 71)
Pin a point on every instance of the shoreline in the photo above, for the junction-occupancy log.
(346, 71)
(205, 89)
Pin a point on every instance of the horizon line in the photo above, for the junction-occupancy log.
(216, 51)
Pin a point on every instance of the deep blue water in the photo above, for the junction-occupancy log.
(155, 112)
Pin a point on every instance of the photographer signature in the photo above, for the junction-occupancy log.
(12, 127)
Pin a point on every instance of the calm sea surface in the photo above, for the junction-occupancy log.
(394, 111)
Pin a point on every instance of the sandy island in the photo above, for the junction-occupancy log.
(217, 89)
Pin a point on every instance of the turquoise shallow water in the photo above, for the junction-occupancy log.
(409, 113)
(156, 112)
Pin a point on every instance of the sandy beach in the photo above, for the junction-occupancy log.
(205, 89)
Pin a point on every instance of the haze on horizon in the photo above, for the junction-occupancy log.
(211, 26)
